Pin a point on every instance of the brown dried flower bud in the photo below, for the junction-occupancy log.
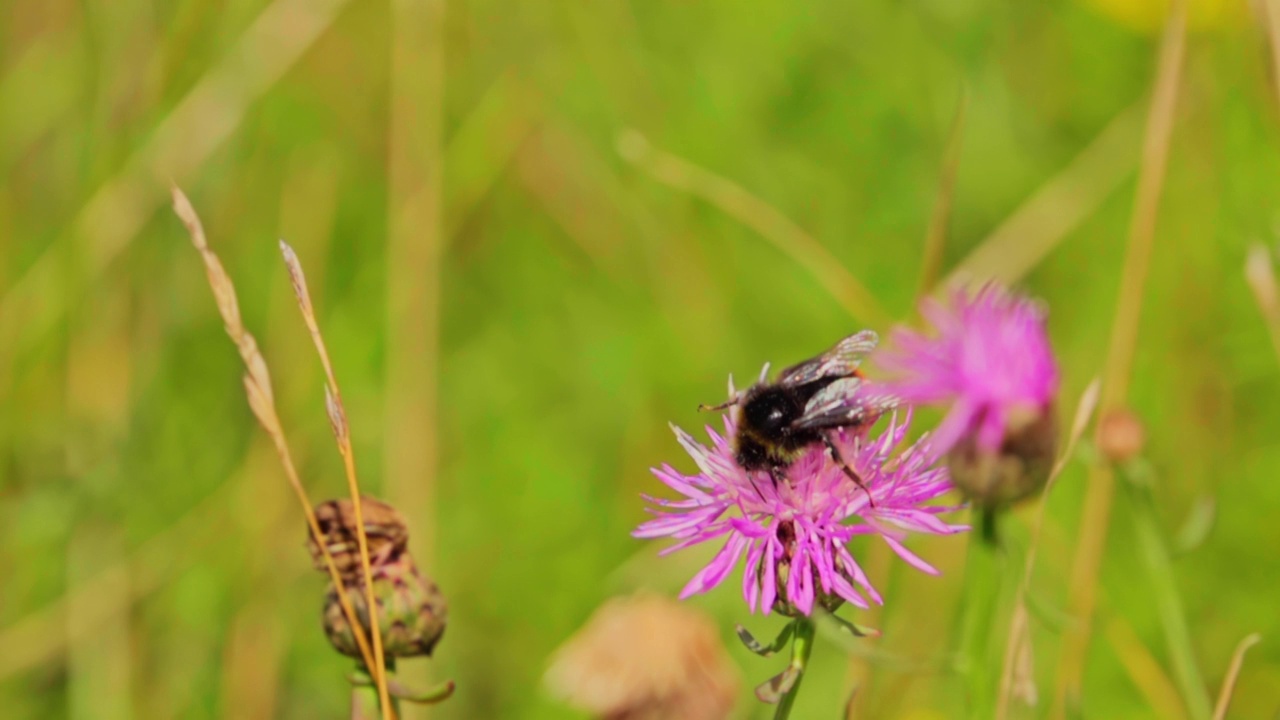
(1017, 471)
(1121, 435)
(384, 528)
(411, 611)
(646, 658)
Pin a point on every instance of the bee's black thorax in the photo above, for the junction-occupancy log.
(774, 423)
(765, 438)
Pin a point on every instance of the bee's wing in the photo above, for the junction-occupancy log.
(847, 401)
(840, 361)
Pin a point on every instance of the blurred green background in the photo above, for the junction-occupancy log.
(516, 309)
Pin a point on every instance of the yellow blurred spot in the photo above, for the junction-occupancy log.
(1148, 16)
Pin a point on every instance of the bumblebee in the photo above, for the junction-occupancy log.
(778, 421)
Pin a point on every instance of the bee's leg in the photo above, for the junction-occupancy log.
(712, 408)
(776, 475)
(751, 478)
(835, 455)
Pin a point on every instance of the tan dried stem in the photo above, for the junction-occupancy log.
(342, 434)
(1124, 336)
(1144, 671)
(1233, 672)
(1018, 625)
(42, 635)
(1260, 273)
(1056, 209)
(760, 216)
(257, 382)
(860, 668)
(1259, 268)
(1269, 10)
(418, 210)
(180, 145)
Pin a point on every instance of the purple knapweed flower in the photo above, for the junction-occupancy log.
(990, 359)
(794, 535)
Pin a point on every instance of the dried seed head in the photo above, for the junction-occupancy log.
(1017, 470)
(383, 526)
(646, 657)
(411, 611)
(1121, 435)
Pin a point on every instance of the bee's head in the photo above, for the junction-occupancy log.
(769, 409)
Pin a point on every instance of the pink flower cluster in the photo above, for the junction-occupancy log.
(794, 534)
(989, 356)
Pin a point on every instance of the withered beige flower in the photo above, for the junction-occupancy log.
(646, 657)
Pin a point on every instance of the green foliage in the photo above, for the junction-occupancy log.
(583, 305)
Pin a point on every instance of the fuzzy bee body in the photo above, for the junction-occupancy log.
(779, 421)
(766, 437)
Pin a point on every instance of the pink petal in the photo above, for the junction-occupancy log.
(676, 482)
(848, 592)
(748, 528)
(718, 569)
(912, 559)
(750, 575)
(770, 583)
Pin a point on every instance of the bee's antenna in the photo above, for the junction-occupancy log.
(733, 399)
(764, 372)
(703, 407)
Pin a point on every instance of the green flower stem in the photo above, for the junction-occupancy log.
(984, 580)
(364, 694)
(1154, 550)
(800, 649)
(364, 702)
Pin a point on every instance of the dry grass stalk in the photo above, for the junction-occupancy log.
(342, 434)
(102, 662)
(862, 668)
(1023, 675)
(772, 225)
(1124, 337)
(936, 236)
(1233, 672)
(252, 664)
(44, 634)
(416, 238)
(879, 556)
(1019, 640)
(257, 383)
(1268, 12)
(1260, 273)
(181, 143)
(1056, 209)
(1145, 671)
